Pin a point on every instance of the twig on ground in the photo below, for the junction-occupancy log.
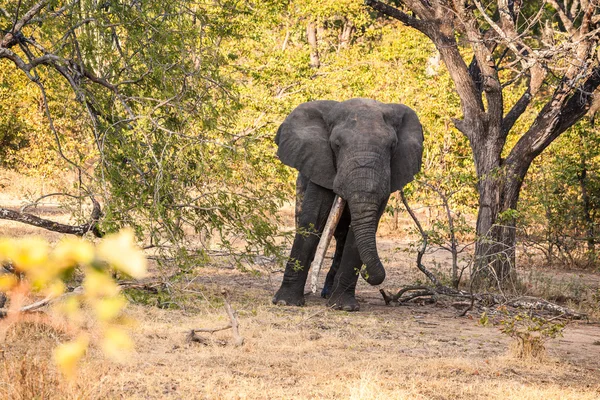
(239, 340)
(233, 325)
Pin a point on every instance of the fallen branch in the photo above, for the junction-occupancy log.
(195, 338)
(78, 230)
(233, 325)
(41, 303)
(532, 303)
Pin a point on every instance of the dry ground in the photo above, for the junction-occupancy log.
(410, 352)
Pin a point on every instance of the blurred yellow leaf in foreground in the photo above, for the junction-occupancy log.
(67, 355)
(119, 250)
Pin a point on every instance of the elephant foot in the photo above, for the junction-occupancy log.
(344, 301)
(287, 297)
(326, 292)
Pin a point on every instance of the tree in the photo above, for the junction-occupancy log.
(547, 50)
(146, 83)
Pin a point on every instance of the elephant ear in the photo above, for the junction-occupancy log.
(303, 140)
(406, 159)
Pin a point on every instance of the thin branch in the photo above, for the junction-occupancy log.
(515, 112)
(11, 38)
(453, 241)
(564, 18)
(424, 235)
(35, 202)
(211, 330)
(239, 340)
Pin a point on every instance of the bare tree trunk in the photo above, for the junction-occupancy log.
(311, 34)
(346, 35)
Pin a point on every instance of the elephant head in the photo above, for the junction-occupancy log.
(361, 149)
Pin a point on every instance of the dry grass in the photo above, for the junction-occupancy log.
(310, 353)
(28, 371)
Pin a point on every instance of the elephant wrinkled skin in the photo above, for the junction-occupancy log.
(361, 150)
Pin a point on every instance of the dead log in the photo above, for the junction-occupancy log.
(334, 217)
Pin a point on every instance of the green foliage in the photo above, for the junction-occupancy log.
(151, 122)
(159, 298)
(530, 333)
(561, 198)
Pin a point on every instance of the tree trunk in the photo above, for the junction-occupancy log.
(492, 255)
(346, 35)
(311, 35)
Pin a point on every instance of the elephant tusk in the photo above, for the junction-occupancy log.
(334, 217)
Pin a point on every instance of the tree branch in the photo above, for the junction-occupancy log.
(580, 102)
(564, 18)
(443, 35)
(560, 113)
(485, 62)
(78, 230)
(397, 14)
(10, 39)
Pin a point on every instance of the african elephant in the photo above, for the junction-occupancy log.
(361, 150)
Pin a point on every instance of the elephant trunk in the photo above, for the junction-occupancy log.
(365, 218)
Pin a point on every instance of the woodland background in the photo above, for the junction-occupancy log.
(166, 115)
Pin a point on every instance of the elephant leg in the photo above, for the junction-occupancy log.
(343, 295)
(341, 232)
(344, 283)
(313, 216)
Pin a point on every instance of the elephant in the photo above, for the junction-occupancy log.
(361, 150)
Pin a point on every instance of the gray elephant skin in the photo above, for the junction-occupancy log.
(361, 150)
